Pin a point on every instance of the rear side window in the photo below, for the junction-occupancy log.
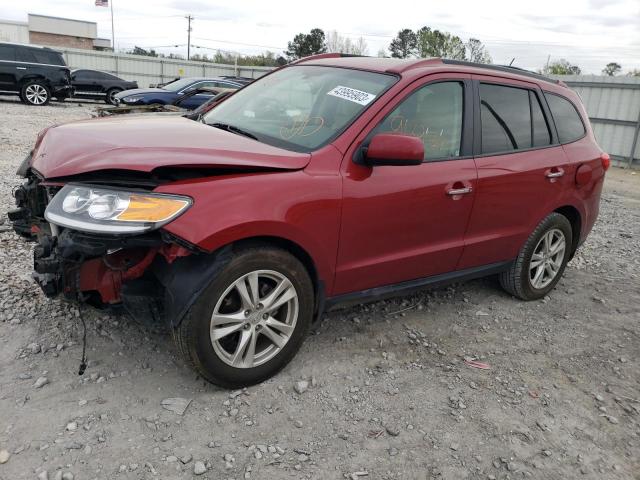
(568, 122)
(47, 57)
(8, 53)
(505, 118)
(433, 113)
(540, 128)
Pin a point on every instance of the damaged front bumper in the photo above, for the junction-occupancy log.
(152, 275)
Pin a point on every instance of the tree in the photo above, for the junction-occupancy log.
(612, 68)
(404, 45)
(634, 73)
(305, 44)
(434, 43)
(561, 67)
(337, 43)
(382, 53)
(141, 51)
(477, 52)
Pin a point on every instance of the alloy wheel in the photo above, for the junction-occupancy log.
(36, 94)
(547, 258)
(254, 318)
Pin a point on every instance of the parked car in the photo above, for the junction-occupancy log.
(98, 85)
(176, 107)
(33, 73)
(172, 91)
(331, 181)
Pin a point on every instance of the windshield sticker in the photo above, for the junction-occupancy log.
(351, 94)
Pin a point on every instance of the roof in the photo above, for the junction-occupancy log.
(400, 66)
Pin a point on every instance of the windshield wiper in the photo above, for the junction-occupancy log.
(233, 129)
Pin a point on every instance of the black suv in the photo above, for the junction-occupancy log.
(34, 73)
(98, 85)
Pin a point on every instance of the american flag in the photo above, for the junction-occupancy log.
(102, 3)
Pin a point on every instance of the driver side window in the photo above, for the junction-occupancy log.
(433, 113)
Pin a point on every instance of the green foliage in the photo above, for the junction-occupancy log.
(434, 43)
(404, 45)
(427, 42)
(561, 67)
(305, 44)
(141, 51)
(612, 69)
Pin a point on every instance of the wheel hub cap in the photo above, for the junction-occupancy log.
(547, 258)
(254, 318)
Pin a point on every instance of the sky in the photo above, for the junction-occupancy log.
(589, 33)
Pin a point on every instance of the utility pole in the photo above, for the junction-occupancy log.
(189, 18)
(113, 35)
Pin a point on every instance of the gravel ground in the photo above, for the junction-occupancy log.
(379, 391)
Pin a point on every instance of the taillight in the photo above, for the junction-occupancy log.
(606, 161)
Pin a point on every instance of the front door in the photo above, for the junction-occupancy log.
(401, 223)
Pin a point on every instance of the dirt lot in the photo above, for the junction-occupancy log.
(389, 394)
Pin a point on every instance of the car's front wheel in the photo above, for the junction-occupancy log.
(251, 319)
(35, 92)
(541, 261)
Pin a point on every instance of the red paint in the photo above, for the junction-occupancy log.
(392, 147)
(362, 226)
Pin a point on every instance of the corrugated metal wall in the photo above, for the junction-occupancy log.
(613, 105)
(151, 70)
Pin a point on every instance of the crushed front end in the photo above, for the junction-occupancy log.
(119, 265)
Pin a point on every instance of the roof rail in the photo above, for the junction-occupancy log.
(324, 55)
(504, 68)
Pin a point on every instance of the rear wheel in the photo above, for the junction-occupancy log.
(251, 319)
(111, 94)
(35, 92)
(541, 261)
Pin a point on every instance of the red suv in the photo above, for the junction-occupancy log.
(330, 181)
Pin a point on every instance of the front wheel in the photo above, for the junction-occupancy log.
(541, 261)
(251, 319)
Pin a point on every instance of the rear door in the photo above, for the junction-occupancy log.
(83, 82)
(401, 223)
(522, 169)
(8, 67)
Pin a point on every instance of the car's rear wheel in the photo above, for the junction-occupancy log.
(35, 92)
(111, 95)
(251, 319)
(541, 261)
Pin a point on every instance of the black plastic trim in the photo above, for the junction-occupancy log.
(502, 68)
(411, 286)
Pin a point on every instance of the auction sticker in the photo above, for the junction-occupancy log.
(351, 94)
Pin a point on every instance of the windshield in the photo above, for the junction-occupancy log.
(178, 84)
(301, 107)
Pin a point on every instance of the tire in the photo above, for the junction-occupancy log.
(529, 281)
(217, 359)
(35, 92)
(110, 94)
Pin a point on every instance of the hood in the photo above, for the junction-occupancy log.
(144, 144)
(141, 91)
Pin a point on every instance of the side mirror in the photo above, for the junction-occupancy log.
(394, 149)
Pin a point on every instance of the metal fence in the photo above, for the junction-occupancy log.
(613, 105)
(152, 70)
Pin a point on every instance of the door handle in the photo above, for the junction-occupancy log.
(21, 68)
(459, 191)
(554, 173)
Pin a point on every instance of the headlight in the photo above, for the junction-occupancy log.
(107, 210)
(132, 99)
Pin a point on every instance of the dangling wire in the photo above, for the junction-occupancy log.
(83, 363)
